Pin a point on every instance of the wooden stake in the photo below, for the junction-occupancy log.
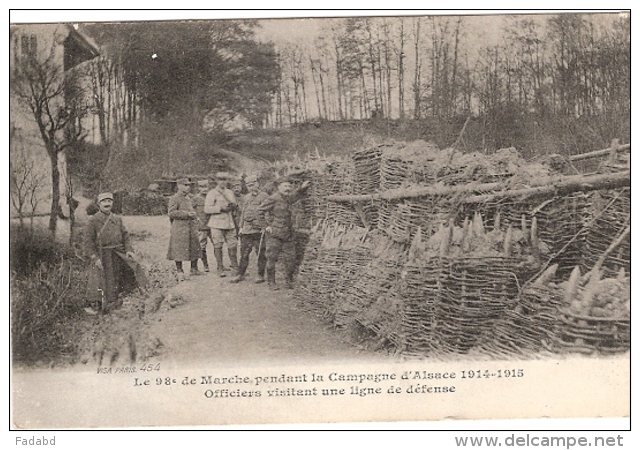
(559, 185)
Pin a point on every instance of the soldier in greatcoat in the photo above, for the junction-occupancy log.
(114, 268)
(251, 229)
(220, 204)
(183, 240)
(279, 231)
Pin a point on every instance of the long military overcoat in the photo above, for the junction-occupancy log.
(183, 240)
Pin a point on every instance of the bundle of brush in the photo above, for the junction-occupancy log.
(460, 168)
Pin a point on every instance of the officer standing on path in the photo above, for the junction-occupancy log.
(108, 247)
(279, 231)
(183, 240)
(220, 204)
(204, 232)
(252, 225)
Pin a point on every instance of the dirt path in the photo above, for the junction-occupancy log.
(219, 322)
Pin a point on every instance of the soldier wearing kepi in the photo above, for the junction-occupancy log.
(183, 240)
(109, 249)
(251, 225)
(204, 232)
(220, 203)
(279, 231)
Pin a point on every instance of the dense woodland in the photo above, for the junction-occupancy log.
(164, 88)
(359, 68)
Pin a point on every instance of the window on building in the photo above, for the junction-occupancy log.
(29, 45)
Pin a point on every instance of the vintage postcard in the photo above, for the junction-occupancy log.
(253, 220)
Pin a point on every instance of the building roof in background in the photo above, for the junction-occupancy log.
(83, 40)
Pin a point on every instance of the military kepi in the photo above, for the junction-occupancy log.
(105, 196)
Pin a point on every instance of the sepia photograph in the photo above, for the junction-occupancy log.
(343, 221)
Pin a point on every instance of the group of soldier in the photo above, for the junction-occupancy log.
(262, 223)
(258, 221)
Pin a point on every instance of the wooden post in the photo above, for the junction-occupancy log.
(543, 186)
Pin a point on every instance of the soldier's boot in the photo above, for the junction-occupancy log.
(194, 268)
(288, 275)
(233, 258)
(289, 283)
(271, 279)
(217, 252)
(205, 260)
(262, 264)
(237, 279)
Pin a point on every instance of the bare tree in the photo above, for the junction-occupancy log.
(25, 179)
(400, 56)
(417, 94)
(53, 97)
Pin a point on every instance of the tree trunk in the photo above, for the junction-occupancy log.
(416, 74)
(55, 190)
(401, 72)
(315, 87)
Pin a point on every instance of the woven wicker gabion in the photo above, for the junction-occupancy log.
(590, 335)
(409, 163)
(336, 178)
(421, 289)
(425, 213)
(525, 327)
(367, 169)
(476, 294)
(561, 225)
(611, 213)
(372, 281)
(328, 269)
